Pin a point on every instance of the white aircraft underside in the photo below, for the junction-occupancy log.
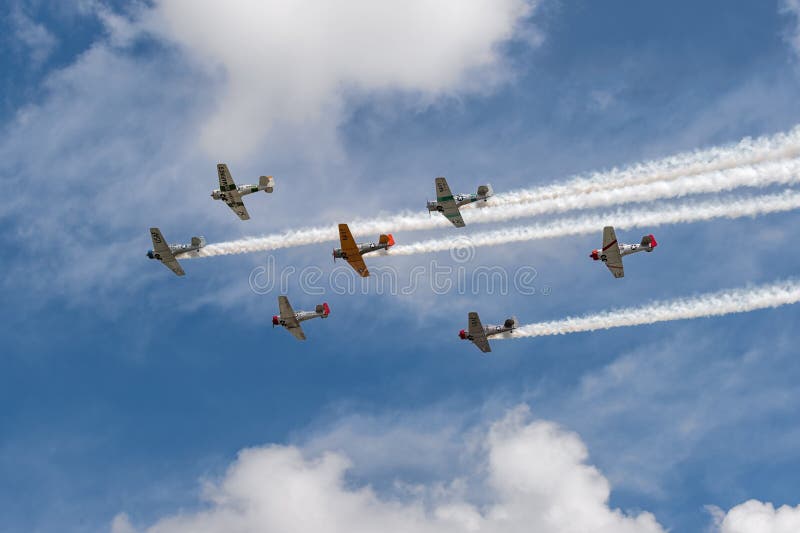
(229, 193)
(613, 251)
(290, 319)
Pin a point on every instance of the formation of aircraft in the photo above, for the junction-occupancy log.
(612, 252)
(352, 251)
(290, 319)
(447, 204)
(229, 193)
(167, 253)
(479, 334)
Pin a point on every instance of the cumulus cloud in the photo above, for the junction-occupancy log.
(289, 65)
(533, 474)
(754, 516)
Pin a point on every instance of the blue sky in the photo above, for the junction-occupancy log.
(125, 390)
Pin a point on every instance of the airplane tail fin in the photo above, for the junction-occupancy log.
(198, 241)
(485, 190)
(388, 240)
(267, 183)
(323, 309)
(649, 241)
(512, 323)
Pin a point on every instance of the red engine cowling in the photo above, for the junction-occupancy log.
(462, 334)
(275, 320)
(595, 255)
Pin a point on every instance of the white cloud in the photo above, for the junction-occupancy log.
(111, 147)
(792, 8)
(533, 474)
(97, 155)
(289, 65)
(37, 39)
(754, 516)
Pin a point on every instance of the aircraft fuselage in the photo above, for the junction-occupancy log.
(491, 329)
(363, 248)
(180, 249)
(243, 190)
(460, 200)
(322, 311)
(624, 249)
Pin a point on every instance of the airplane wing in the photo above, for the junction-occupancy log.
(350, 249)
(611, 252)
(449, 208)
(359, 266)
(478, 334)
(164, 252)
(288, 316)
(233, 198)
(297, 331)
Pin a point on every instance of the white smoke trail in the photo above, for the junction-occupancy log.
(706, 305)
(718, 159)
(765, 174)
(747, 152)
(621, 218)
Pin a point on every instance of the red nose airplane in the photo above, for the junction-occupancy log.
(613, 251)
(479, 334)
(290, 319)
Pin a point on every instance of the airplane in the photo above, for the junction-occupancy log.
(479, 334)
(229, 193)
(351, 251)
(447, 204)
(291, 319)
(167, 253)
(613, 252)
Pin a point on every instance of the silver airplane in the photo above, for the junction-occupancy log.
(290, 319)
(447, 204)
(480, 334)
(167, 253)
(613, 251)
(229, 193)
(351, 251)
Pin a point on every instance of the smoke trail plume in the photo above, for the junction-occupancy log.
(621, 218)
(745, 153)
(763, 175)
(706, 305)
